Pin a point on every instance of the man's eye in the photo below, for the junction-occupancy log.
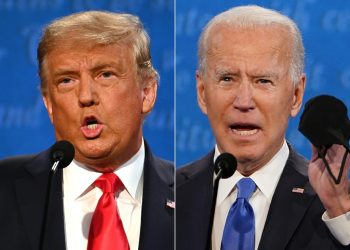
(65, 80)
(226, 79)
(264, 81)
(107, 74)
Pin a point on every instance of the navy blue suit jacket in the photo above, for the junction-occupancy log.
(23, 185)
(293, 221)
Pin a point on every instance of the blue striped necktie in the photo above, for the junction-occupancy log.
(239, 231)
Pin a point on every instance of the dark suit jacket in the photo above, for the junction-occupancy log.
(293, 221)
(23, 185)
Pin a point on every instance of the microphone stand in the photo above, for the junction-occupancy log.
(213, 204)
(52, 173)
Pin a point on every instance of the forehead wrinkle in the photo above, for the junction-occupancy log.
(68, 63)
(80, 62)
(278, 52)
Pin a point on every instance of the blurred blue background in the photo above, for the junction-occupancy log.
(24, 124)
(325, 26)
(25, 127)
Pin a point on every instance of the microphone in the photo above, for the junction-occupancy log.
(225, 165)
(61, 155)
(324, 122)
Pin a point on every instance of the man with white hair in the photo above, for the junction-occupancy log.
(250, 80)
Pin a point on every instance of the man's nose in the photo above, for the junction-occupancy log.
(87, 92)
(244, 97)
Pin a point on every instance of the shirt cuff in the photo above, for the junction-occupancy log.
(339, 227)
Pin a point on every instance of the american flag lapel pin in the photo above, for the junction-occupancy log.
(170, 204)
(298, 190)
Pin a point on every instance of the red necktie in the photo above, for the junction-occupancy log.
(106, 229)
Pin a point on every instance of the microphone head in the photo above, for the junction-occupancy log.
(227, 163)
(325, 122)
(62, 151)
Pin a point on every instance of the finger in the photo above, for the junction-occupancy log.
(317, 165)
(335, 155)
(347, 167)
(314, 155)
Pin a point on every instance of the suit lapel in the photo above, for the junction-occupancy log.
(31, 195)
(287, 207)
(156, 217)
(157, 220)
(194, 198)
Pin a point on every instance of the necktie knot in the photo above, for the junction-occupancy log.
(246, 187)
(108, 183)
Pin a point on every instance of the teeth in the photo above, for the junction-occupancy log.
(245, 132)
(92, 126)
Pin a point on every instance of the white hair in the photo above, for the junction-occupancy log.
(255, 16)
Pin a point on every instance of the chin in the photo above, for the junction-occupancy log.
(98, 153)
(246, 156)
(93, 151)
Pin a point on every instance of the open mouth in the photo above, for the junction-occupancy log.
(244, 129)
(91, 123)
(91, 127)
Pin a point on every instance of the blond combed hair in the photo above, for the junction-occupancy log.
(98, 28)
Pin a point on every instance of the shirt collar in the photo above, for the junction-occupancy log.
(130, 173)
(78, 178)
(266, 178)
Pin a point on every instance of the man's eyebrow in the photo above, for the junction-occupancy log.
(267, 74)
(119, 67)
(64, 71)
(103, 65)
(225, 71)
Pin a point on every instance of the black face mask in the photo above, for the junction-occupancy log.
(325, 122)
(322, 151)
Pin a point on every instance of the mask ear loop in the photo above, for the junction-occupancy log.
(322, 151)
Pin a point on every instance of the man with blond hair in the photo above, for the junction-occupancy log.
(98, 85)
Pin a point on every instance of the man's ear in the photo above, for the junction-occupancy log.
(149, 93)
(201, 99)
(299, 90)
(48, 105)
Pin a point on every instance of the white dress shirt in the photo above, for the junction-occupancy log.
(339, 227)
(266, 180)
(80, 199)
